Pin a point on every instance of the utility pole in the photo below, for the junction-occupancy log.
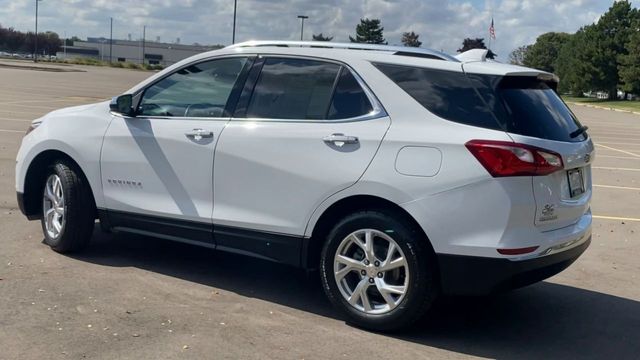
(235, 9)
(302, 17)
(144, 36)
(111, 41)
(35, 48)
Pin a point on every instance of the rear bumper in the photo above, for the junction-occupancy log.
(471, 275)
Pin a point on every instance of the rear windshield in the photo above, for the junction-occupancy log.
(516, 104)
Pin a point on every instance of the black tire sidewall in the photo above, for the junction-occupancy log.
(422, 288)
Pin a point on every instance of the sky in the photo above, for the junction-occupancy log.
(441, 24)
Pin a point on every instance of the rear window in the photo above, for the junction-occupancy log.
(520, 105)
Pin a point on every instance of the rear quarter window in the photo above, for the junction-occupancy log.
(448, 94)
(521, 105)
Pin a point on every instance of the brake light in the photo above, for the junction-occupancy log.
(504, 158)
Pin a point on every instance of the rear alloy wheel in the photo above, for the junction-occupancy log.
(379, 270)
(68, 209)
(374, 283)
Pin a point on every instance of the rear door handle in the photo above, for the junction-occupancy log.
(199, 134)
(340, 139)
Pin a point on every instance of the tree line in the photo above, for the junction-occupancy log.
(370, 31)
(15, 41)
(604, 56)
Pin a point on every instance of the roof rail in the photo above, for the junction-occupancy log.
(397, 50)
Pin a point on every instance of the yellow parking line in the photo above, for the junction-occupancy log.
(617, 157)
(622, 151)
(615, 218)
(613, 143)
(614, 168)
(617, 187)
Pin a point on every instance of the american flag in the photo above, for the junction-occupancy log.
(492, 30)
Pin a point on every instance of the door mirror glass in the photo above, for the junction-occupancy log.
(122, 104)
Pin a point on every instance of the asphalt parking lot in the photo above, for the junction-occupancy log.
(132, 297)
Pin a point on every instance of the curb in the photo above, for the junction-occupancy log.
(604, 108)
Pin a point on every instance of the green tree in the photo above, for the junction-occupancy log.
(518, 55)
(475, 43)
(320, 37)
(369, 31)
(543, 54)
(629, 69)
(411, 39)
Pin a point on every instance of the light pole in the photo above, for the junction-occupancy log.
(35, 47)
(144, 38)
(235, 9)
(110, 41)
(302, 17)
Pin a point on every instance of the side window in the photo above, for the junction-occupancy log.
(293, 89)
(200, 90)
(349, 100)
(448, 94)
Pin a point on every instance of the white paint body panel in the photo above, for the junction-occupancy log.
(175, 171)
(271, 175)
(280, 176)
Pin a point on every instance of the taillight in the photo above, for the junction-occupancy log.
(504, 158)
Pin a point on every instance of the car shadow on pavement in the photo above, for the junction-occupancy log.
(545, 320)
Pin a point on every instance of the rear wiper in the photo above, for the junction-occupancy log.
(579, 132)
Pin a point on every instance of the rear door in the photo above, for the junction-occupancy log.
(303, 130)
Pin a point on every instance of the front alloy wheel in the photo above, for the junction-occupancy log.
(53, 209)
(68, 208)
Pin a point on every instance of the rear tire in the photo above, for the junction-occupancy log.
(386, 288)
(68, 209)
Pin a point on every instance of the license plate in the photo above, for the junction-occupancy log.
(576, 182)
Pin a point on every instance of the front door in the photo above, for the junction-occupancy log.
(157, 167)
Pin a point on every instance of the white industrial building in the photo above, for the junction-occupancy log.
(155, 53)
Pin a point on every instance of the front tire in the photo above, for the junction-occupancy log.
(68, 209)
(379, 270)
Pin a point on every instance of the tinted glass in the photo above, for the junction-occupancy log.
(293, 89)
(528, 106)
(200, 90)
(516, 104)
(349, 100)
(447, 94)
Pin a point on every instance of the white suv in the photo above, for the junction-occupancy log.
(399, 173)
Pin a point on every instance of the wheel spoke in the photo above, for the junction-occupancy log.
(394, 264)
(380, 284)
(49, 192)
(368, 242)
(358, 242)
(390, 251)
(349, 262)
(59, 210)
(357, 292)
(392, 289)
(56, 224)
(365, 299)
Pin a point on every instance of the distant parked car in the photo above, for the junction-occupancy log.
(399, 173)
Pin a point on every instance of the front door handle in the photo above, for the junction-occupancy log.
(199, 134)
(340, 139)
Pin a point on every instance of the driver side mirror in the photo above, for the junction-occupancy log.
(122, 105)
